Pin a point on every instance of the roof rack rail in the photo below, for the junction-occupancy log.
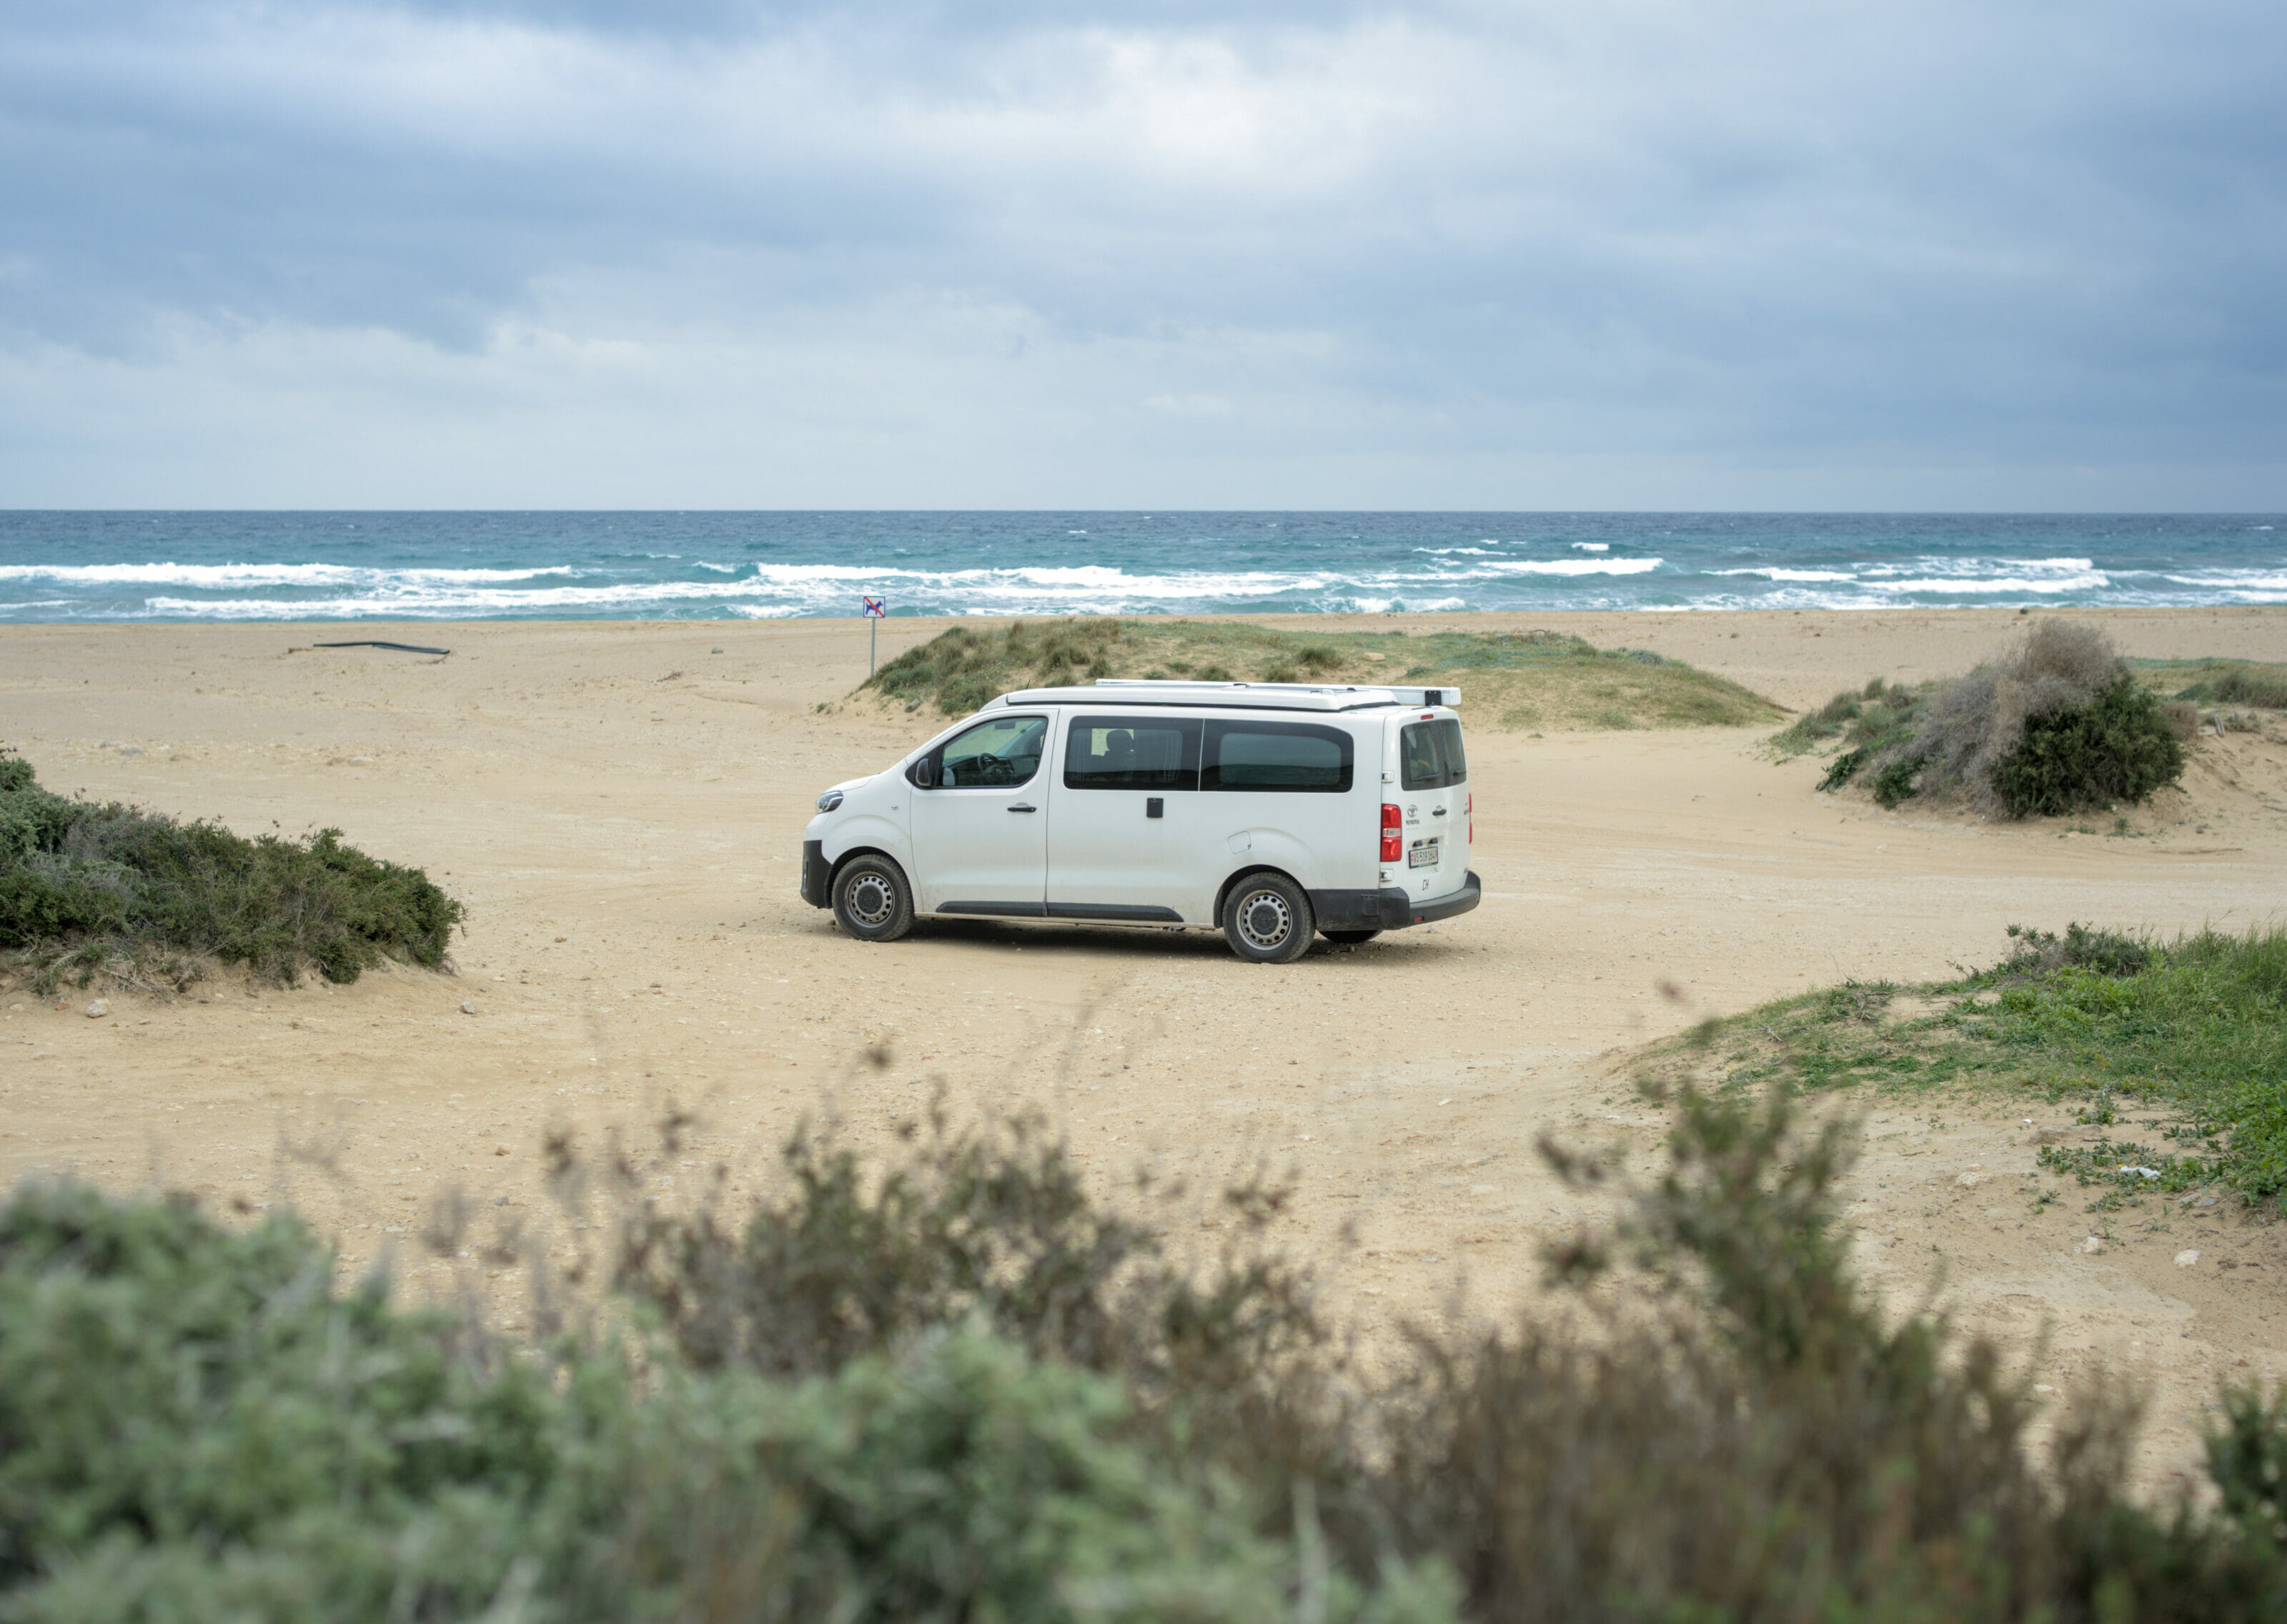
(1237, 695)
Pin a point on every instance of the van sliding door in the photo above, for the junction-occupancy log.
(1123, 840)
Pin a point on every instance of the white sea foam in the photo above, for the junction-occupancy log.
(242, 576)
(1579, 566)
(1771, 573)
(1594, 547)
(1997, 584)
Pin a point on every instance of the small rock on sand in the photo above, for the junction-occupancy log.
(2092, 1244)
(1970, 1181)
(467, 1009)
(2185, 1258)
(98, 1010)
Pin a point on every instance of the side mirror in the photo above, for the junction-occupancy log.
(925, 772)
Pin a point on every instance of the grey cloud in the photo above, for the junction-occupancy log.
(1750, 231)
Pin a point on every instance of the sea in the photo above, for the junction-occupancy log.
(76, 566)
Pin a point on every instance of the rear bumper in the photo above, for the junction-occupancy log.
(1391, 909)
(815, 872)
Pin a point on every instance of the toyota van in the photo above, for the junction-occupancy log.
(1269, 811)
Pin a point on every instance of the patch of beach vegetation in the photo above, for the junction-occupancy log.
(91, 890)
(2190, 1033)
(950, 1384)
(1530, 680)
(2057, 724)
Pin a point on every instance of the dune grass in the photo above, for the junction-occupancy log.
(950, 1385)
(2190, 1032)
(1533, 679)
(90, 889)
(2218, 683)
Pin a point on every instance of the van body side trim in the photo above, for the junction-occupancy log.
(1007, 911)
(1114, 911)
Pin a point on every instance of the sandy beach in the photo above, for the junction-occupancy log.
(620, 806)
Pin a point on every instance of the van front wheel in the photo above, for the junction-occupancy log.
(872, 901)
(1267, 920)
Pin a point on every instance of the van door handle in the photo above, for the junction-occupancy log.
(1440, 812)
(1021, 806)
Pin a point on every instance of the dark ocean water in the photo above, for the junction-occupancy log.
(66, 567)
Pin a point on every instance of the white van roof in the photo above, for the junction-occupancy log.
(1235, 696)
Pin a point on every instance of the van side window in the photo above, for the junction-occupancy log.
(997, 754)
(1132, 752)
(1279, 756)
(1419, 765)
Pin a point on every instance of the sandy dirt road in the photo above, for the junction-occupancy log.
(619, 807)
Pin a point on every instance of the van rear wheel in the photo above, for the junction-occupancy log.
(1267, 920)
(1349, 938)
(872, 901)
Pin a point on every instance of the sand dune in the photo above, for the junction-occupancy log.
(620, 806)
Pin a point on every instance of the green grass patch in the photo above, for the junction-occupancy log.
(87, 886)
(1525, 680)
(2191, 1032)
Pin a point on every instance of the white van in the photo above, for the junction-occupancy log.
(1270, 811)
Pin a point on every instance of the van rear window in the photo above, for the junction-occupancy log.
(1430, 755)
(1131, 752)
(1279, 756)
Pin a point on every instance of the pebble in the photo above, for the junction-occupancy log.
(1970, 1181)
(2185, 1258)
(98, 1010)
(467, 1009)
(2089, 1246)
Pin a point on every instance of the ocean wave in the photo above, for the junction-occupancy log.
(109, 568)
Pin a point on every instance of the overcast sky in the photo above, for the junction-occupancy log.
(1917, 254)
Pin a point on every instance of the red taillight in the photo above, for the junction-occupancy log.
(1473, 817)
(1392, 833)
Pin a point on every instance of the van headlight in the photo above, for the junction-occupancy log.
(829, 800)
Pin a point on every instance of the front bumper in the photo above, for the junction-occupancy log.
(816, 871)
(1391, 909)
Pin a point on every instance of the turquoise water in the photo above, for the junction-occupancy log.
(71, 566)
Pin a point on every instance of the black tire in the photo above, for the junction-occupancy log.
(1267, 920)
(1349, 938)
(872, 901)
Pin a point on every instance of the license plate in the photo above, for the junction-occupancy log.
(1424, 855)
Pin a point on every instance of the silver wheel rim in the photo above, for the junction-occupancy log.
(1265, 921)
(870, 900)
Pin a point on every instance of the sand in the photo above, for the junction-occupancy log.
(620, 807)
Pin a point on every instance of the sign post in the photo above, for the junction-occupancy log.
(873, 609)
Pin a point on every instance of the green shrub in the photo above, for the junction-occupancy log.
(957, 1423)
(75, 874)
(1896, 782)
(2082, 947)
(1777, 1447)
(196, 1424)
(2117, 747)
